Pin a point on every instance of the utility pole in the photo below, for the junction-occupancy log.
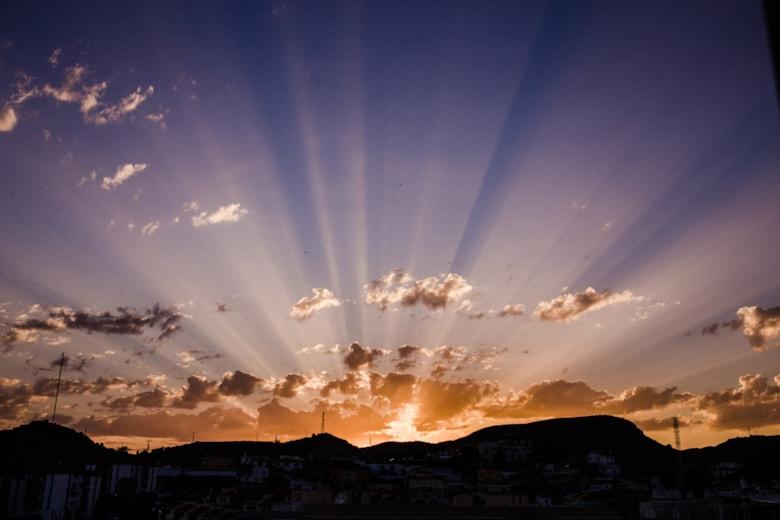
(57, 392)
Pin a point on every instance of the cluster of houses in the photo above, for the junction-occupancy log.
(496, 479)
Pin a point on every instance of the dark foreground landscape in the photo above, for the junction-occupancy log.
(589, 467)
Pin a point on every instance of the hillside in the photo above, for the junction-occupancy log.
(41, 445)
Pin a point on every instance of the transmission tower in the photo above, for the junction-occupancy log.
(676, 426)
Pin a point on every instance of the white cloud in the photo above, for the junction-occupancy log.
(307, 306)
(399, 287)
(226, 214)
(91, 176)
(8, 119)
(570, 307)
(150, 228)
(123, 173)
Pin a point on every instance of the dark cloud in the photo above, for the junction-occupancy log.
(238, 383)
(289, 386)
(150, 399)
(348, 385)
(197, 390)
(125, 321)
(406, 357)
(358, 356)
(398, 388)
(215, 423)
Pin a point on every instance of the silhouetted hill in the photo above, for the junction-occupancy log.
(43, 445)
(758, 453)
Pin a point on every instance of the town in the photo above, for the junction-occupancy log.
(590, 467)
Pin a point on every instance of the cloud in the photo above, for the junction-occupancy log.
(149, 399)
(760, 325)
(226, 214)
(150, 228)
(755, 402)
(570, 307)
(126, 321)
(358, 357)
(406, 357)
(238, 383)
(8, 119)
(116, 113)
(157, 119)
(398, 287)
(197, 390)
(348, 385)
(214, 423)
(54, 57)
(346, 420)
(560, 398)
(289, 386)
(439, 401)
(511, 310)
(307, 306)
(398, 388)
(91, 176)
(642, 398)
(123, 173)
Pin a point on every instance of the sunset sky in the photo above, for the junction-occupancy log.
(419, 217)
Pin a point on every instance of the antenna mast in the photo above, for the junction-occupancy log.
(676, 426)
(322, 426)
(57, 392)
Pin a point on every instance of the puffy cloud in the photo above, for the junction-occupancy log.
(406, 357)
(15, 396)
(760, 325)
(569, 307)
(358, 357)
(226, 214)
(511, 310)
(399, 288)
(641, 398)
(560, 398)
(289, 386)
(755, 402)
(122, 174)
(125, 321)
(8, 119)
(348, 385)
(149, 399)
(238, 383)
(150, 228)
(551, 399)
(305, 308)
(321, 348)
(197, 390)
